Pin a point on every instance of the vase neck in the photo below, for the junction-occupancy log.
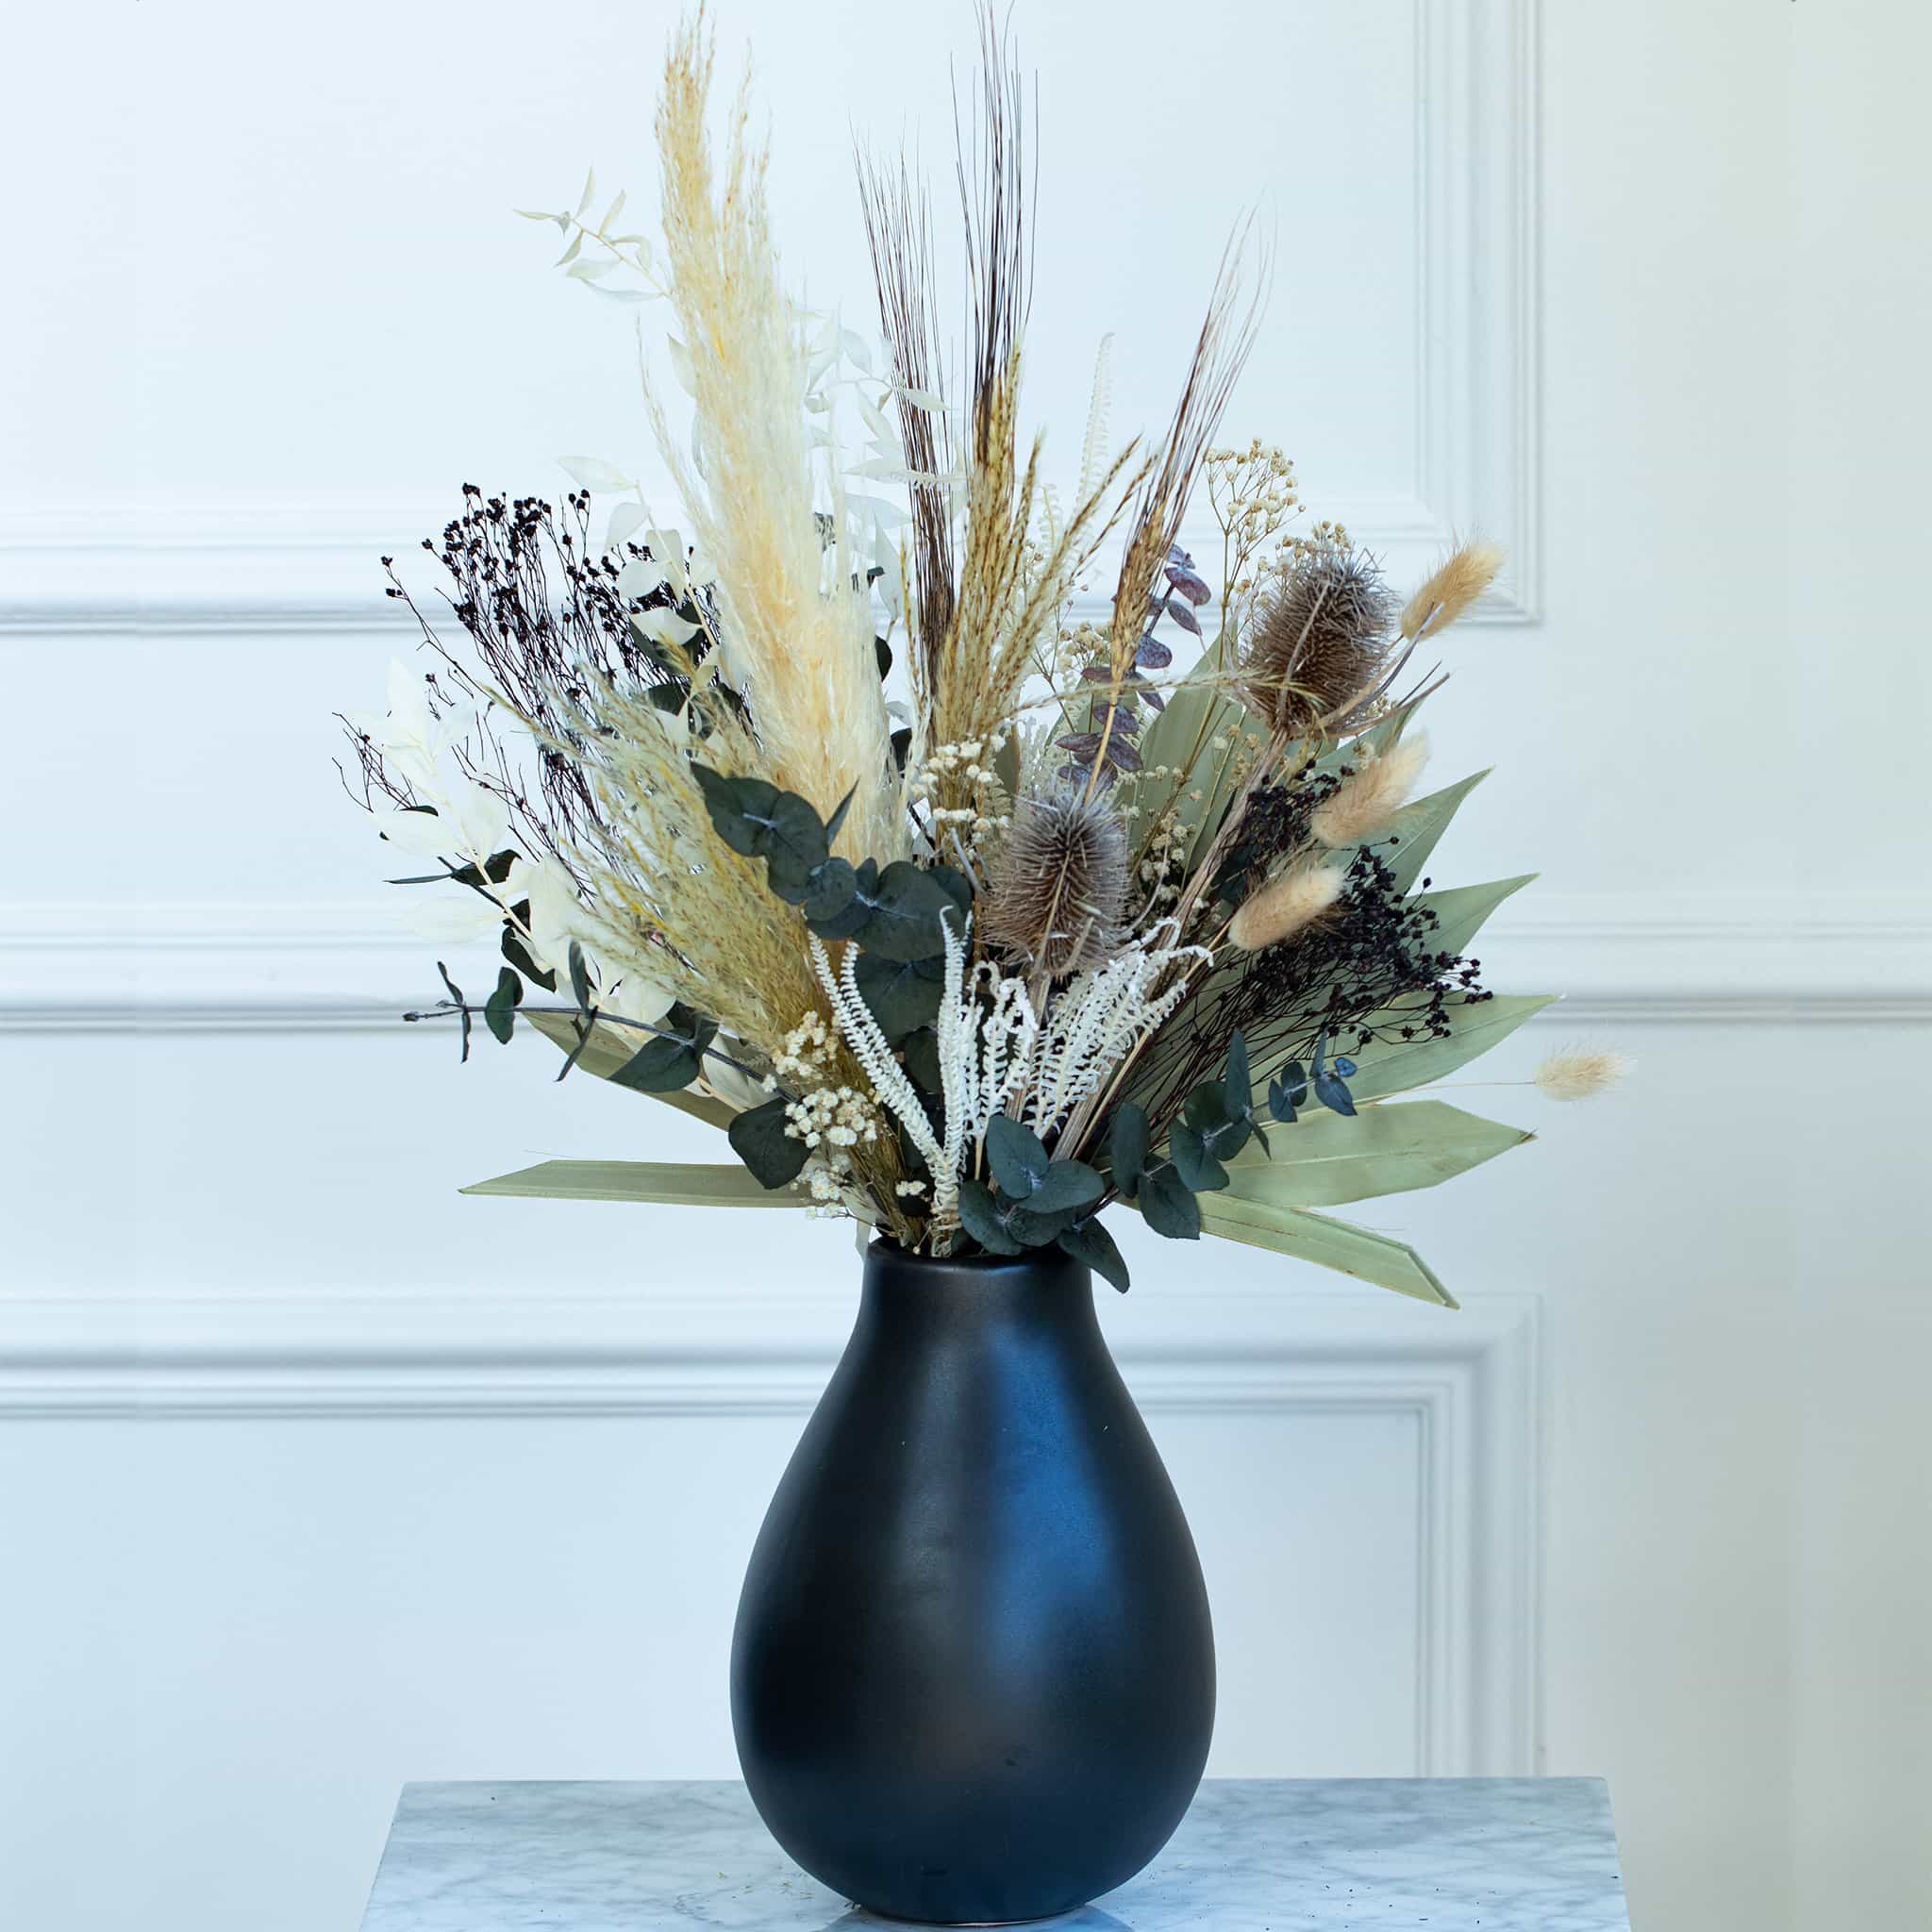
(909, 1296)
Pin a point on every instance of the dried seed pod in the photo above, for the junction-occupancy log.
(1320, 647)
(1059, 891)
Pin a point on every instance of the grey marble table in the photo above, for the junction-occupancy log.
(1254, 1855)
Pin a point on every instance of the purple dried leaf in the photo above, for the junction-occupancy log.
(1083, 744)
(1121, 753)
(1182, 574)
(1183, 616)
(1152, 654)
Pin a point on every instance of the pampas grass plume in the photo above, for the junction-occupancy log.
(1579, 1073)
(1285, 907)
(1371, 795)
(1461, 577)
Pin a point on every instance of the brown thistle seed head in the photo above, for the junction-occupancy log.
(1319, 643)
(1059, 891)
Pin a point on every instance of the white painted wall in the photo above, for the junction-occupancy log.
(314, 1476)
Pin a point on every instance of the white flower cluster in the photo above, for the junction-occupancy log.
(807, 1053)
(832, 1118)
(966, 761)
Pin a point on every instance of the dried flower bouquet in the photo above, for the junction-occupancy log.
(829, 828)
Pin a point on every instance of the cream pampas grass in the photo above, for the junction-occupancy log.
(1285, 907)
(798, 640)
(1458, 582)
(1579, 1073)
(1366, 800)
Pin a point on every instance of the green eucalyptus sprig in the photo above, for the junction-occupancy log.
(1217, 1121)
(1038, 1201)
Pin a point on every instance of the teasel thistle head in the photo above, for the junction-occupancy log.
(1579, 1073)
(1371, 794)
(1320, 650)
(1457, 582)
(1057, 895)
(1285, 906)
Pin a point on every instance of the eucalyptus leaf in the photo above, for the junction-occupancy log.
(1067, 1184)
(1089, 1242)
(760, 1138)
(902, 994)
(979, 1215)
(1168, 1206)
(500, 1009)
(1197, 1167)
(1018, 1160)
(1127, 1144)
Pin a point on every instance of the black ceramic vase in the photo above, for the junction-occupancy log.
(973, 1675)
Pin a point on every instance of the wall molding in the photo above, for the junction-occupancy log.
(313, 567)
(1469, 1381)
(293, 967)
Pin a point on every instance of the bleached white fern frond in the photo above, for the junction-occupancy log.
(874, 1051)
(1092, 1025)
(1094, 449)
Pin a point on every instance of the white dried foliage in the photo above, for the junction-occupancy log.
(998, 1055)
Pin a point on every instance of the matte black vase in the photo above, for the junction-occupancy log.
(973, 1675)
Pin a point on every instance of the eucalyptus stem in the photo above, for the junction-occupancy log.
(594, 1017)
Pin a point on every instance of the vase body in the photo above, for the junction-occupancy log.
(973, 1674)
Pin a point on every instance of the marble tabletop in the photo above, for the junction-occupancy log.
(1254, 1855)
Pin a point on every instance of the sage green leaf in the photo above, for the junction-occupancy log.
(1460, 911)
(1393, 1066)
(677, 1183)
(611, 1047)
(1328, 1243)
(1327, 1157)
(1418, 828)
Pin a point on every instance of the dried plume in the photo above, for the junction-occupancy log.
(1319, 652)
(1370, 796)
(898, 231)
(1058, 892)
(1285, 906)
(1457, 582)
(1579, 1073)
(1008, 592)
(797, 638)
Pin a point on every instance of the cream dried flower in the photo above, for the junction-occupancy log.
(1579, 1073)
(1285, 905)
(1458, 580)
(1370, 796)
